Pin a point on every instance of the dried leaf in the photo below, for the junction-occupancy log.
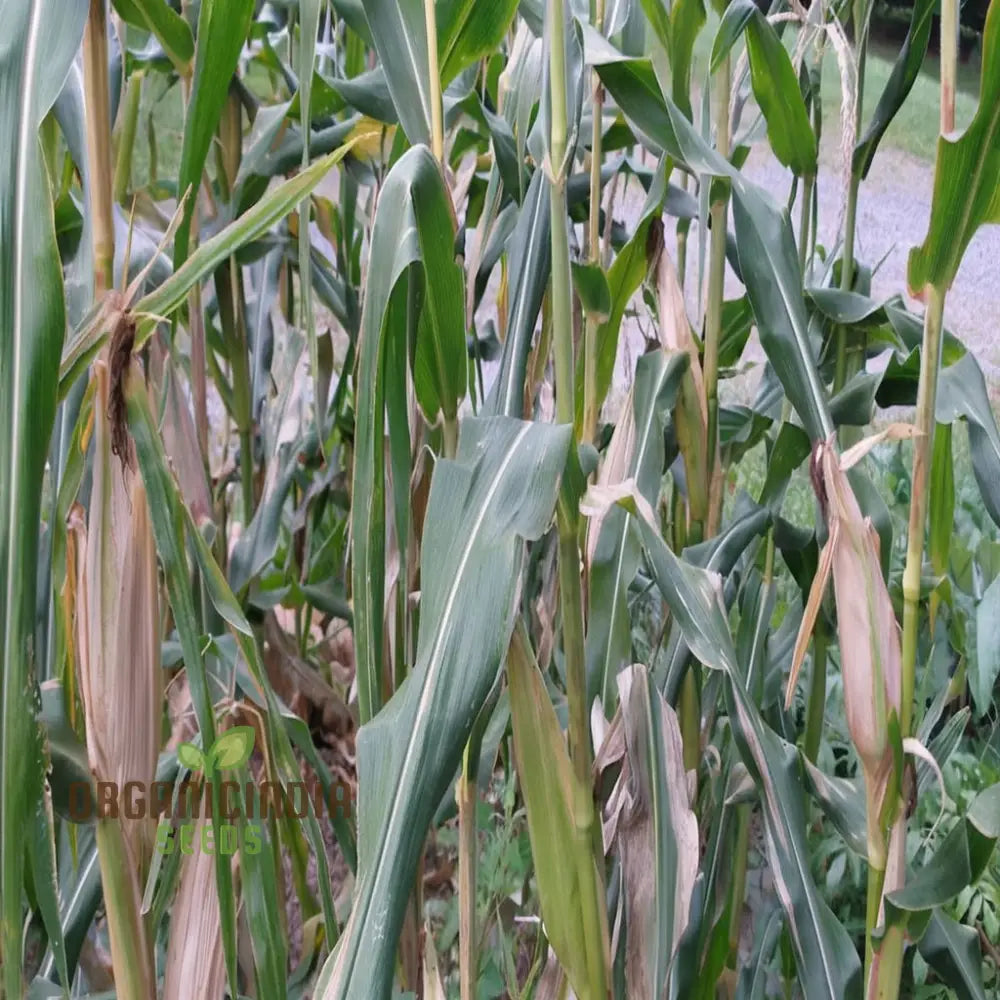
(195, 964)
(649, 822)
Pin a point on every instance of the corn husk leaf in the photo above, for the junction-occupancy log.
(195, 961)
(648, 821)
(691, 417)
(871, 657)
(118, 626)
(825, 957)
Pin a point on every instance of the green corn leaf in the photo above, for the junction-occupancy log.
(222, 30)
(962, 392)
(170, 28)
(399, 31)
(776, 87)
(958, 862)
(732, 25)
(67, 752)
(44, 877)
(591, 285)
(79, 898)
(412, 225)
(966, 179)
(469, 30)
(500, 490)
(38, 46)
(529, 253)
(755, 974)
(625, 275)
(687, 18)
(257, 545)
(563, 860)
(353, 13)
(843, 802)
(904, 75)
(90, 335)
(767, 254)
(658, 16)
(952, 950)
(985, 669)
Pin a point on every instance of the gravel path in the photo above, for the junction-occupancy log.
(893, 212)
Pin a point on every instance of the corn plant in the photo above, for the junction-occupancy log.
(344, 533)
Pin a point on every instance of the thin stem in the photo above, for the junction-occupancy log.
(130, 955)
(465, 795)
(449, 431)
(199, 383)
(877, 859)
(571, 601)
(887, 964)
(719, 212)
(690, 719)
(568, 517)
(846, 277)
(876, 878)
(196, 319)
(592, 897)
(805, 220)
(930, 361)
(593, 243)
(683, 231)
(232, 307)
(596, 137)
(842, 372)
(562, 329)
(562, 337)
(437, 114)
(99, 171)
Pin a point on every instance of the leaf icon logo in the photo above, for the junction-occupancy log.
(190, 756)
(231, 749)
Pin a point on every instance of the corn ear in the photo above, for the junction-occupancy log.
(119, 626)
(870, 650)
(118, 647)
